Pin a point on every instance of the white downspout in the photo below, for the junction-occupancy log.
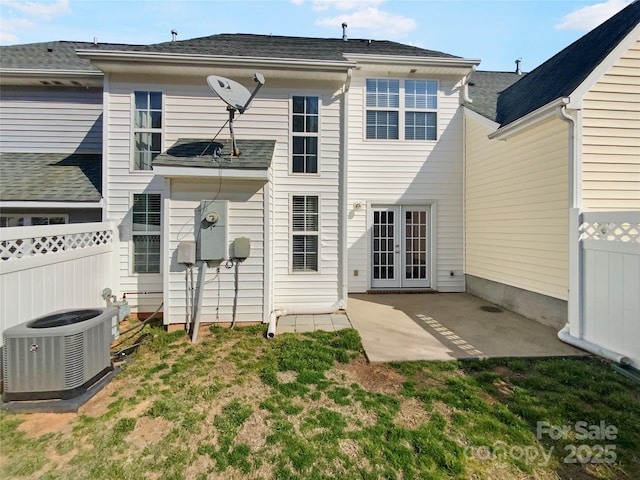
(574, 310)
(573, 331)
(344, 193)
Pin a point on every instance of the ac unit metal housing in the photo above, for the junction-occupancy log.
(59, 355)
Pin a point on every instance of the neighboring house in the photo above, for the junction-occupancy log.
(50, 135)
(564, 136)
(350, 176)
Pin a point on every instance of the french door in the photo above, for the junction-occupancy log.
(400, 247)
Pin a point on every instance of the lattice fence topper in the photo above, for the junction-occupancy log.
(610, 231)
(43, 245)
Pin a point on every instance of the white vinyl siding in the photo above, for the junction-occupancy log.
(611, 137)
(417, 173)
(245, 219)
(517, 207)
(192, 111)
(61, 120)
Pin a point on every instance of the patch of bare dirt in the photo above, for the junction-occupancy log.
(254, 431)
(412, 414)
(376, 378)
(287, 377)
(38, 424)
(149, 430)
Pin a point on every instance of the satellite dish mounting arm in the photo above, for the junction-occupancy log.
(257, 77)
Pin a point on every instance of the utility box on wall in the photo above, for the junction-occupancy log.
(212, 240)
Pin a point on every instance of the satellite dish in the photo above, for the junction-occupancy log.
(236, 96)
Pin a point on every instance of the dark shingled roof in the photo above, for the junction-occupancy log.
(197, 153)
(53, 177)
(484, 89)
(61, 55)
(274, 46)
(52, 55)
(564, 72)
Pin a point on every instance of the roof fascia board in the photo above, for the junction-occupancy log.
(364, 59)
(190, 172)
(487, 122)
(49, 205)
(181, 59)
(542, 113)
(578, 94)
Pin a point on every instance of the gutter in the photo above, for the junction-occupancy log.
(43, 72)
(49, 205)
(215, 60)
(414, 61)
(538, 115)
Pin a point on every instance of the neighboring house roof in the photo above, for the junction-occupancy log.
(53, 177)
(51, 55)
(484, 89)
(560, 75)
(61, 55)
(198, 153)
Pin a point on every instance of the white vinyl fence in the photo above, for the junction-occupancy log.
(606, 312)
(53, 267)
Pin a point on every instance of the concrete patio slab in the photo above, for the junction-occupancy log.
(312, 323)
(447, 326)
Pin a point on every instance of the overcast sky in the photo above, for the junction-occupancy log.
(497, 32)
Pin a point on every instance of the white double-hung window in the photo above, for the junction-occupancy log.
(383, 105)
(146, 233)
(305, 226)
(147, 128)
(304, 131)
(401, 109)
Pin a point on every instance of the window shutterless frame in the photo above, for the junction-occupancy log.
(145, 248)
(147, 128)
(401, 109)
(304, 233)
(31, 219)
(304, 134)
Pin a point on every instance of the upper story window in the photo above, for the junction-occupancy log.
(388, 118)
(147, 128)
(304, 126)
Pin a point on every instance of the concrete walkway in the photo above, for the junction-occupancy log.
(446, 326)
(311, 323)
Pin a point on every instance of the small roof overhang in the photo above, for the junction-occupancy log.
(50, 178)
(202, 158)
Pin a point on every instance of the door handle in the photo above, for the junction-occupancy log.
(397, 248)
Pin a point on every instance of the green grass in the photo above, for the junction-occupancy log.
(239, 406)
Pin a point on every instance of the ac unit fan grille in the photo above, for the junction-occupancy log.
(74, 360)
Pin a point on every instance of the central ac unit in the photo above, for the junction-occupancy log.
(59, 355)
